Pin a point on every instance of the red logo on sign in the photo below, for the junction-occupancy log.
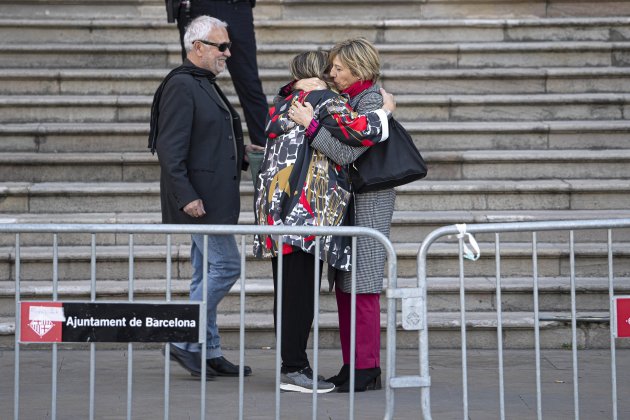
(41, 321)
(622, 316)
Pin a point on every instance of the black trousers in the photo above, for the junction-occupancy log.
(298, 273)
(242, 65)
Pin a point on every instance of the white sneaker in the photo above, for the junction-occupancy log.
(302, 381)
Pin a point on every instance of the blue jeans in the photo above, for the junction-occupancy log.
(224, 268)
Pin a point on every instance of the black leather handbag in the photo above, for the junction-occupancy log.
(390, 163)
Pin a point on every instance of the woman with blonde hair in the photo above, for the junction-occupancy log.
(355, 69)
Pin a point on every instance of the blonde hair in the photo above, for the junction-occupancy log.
(309, 64)
(360, 56)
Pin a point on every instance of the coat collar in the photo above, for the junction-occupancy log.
(212, 92)
(207, 86)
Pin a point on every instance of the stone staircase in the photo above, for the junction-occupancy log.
(521, 109)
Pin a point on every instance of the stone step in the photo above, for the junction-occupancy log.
(81, 108)
(393, 56)
(529, 164)
(323, 9)
(445, 165)
(307, 30)
(444, 331)
(518, 330)
(432, 9)
(76, 137)
(525, 135)
(546, 194)
(428, 136)
(442, 294)
(27, 81)
(77, 167)
(513, 195)
(140, 81)
(407, 226)
(506, 80)
(90, 9)
(74, 262)
(471, 29)
(534, 107)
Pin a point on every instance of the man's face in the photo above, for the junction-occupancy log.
(210, 58)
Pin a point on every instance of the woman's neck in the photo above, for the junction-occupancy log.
(358, 87)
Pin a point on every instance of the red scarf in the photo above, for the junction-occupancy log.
(358, 87)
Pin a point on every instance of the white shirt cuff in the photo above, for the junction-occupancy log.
(384, 123)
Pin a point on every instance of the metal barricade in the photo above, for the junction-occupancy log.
(169, 230)
(463, 232)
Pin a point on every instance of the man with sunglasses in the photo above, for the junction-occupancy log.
(243, 67)
(198, 137)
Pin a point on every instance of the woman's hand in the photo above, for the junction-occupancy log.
(310, 84)
(389, 104)
(301, 113)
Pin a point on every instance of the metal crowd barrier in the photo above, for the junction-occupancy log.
(169, 230)
(464, 253)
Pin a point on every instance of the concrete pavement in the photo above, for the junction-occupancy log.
(259, 399)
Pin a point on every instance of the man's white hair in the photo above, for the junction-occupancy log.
(199, 28)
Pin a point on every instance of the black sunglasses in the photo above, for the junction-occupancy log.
(221, 47)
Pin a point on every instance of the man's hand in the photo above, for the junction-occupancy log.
(389, 104)
(195, 208)
(252, 148)
(312, 83)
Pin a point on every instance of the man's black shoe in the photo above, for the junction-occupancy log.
(210, 373)
(188, 360)
(224, 367)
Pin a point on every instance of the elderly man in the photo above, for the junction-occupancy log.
(199, 141)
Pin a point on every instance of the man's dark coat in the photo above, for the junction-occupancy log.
(200, 149)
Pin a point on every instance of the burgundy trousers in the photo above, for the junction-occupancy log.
(368, 331)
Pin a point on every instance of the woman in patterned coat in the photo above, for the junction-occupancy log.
(355, 67)
(301, 186)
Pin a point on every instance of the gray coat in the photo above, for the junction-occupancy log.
(200, 149)
(373, 210)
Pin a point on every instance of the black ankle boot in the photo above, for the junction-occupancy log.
(364, 380)
(341, 377)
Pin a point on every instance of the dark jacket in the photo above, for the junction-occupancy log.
(200, 149)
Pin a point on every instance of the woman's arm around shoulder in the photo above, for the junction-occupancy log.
(371, 101)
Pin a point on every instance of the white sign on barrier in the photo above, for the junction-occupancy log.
(412, 313)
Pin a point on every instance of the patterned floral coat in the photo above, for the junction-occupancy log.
(300, 186)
